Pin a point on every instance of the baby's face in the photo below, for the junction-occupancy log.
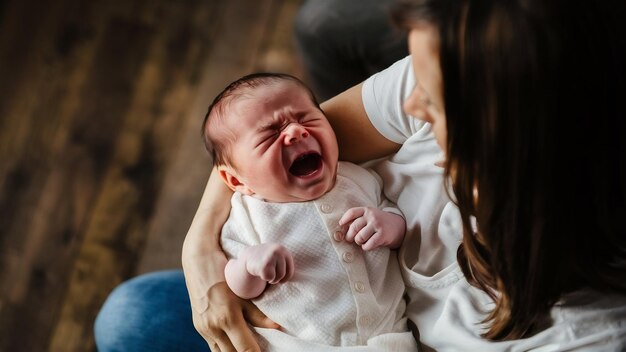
(284, 149)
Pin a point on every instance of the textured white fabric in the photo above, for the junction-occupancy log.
(339, 295)
(442, 304)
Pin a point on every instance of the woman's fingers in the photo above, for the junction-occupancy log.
(214, 336)
(224, 323)
(213, 346)
(240, 337)
(222, 343)
(234, 334)
(255, 317)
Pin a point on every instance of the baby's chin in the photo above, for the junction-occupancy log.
(318, 190)
(307, 194)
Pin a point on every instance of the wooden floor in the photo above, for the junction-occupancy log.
(101, 162)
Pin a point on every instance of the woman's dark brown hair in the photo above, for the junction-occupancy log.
(534, 96)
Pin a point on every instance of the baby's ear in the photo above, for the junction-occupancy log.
(233, 181)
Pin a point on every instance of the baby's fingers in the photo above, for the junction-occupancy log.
(351, 214)
(364, 235)
(283, 269)
(374, 241)
(290, 267)
(278, 271)
(355, 227)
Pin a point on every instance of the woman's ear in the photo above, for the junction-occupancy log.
(233, 181)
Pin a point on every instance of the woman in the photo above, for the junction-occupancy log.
(524, 99)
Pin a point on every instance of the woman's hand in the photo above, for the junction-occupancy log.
(223, 323)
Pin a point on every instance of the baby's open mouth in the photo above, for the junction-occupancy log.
(306, 164)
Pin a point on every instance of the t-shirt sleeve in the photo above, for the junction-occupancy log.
(370, 183)
(238, 232)
(383, 95)
(384, 204)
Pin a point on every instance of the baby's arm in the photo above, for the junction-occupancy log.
(256, 266)
(371, 228)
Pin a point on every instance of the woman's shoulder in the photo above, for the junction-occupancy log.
(589, 320)
(584, 320)
(591, 310)
(383, 95)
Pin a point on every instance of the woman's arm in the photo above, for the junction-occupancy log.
(218, 314)
(358, 139)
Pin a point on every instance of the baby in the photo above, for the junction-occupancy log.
(308, 238)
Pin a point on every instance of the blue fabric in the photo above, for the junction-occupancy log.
(148, 313)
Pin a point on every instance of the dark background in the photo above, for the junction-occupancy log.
(101, 161)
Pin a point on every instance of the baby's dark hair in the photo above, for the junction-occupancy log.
(218, 147)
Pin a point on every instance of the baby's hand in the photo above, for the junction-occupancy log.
(270, 262)
(371, 228)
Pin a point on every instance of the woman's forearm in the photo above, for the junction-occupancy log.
(219, 316)
(202, 258)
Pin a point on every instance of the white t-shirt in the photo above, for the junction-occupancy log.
(339, 295)
(444, 307)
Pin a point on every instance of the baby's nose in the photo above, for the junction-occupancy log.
(295, 132)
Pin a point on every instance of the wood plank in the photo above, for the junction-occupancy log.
(268, 49)
(278, 53)
(109, 251)
(59, 168)
(38, 220)
(101, 162)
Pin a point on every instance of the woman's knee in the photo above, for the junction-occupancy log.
(149, 312)
(314, 22)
